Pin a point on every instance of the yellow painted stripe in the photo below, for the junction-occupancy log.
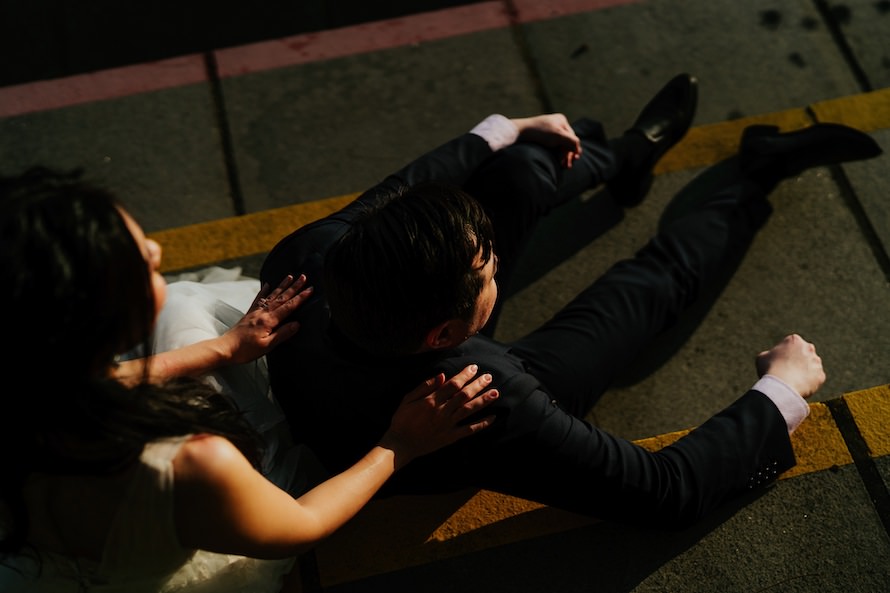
(871, 411)
(867, 112)
(229, 238)
(818, 444)
(712, 143)
(708, 144)
(239, 236)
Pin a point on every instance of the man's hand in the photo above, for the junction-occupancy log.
(551, 130)
(794, 361)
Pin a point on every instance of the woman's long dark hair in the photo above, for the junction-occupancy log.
(76, 292)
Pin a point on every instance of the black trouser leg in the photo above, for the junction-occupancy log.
(577, 353)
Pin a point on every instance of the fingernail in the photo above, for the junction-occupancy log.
(474, 368)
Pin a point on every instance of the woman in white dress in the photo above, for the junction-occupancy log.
(133, 476)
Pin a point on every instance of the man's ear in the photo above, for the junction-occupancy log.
(446, 335)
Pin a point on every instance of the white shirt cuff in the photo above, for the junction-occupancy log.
(791, 405)
(497, 130)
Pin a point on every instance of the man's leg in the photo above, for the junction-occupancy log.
(524, 182)
(519, 185)
(578, 353)
(703, 234)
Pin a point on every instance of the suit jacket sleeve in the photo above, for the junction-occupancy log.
(537, 451)
(744, 447)
(303, 250)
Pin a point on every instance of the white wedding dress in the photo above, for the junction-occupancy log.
(142, 554)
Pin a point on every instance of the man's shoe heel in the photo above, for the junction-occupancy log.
(752, 134)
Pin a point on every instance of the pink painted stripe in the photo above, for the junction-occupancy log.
(368, 37)
(98, 86)
(537, 10)
(130, 80)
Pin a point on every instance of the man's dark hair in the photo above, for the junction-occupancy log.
(407, 265)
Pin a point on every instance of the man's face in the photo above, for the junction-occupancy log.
(487, 296)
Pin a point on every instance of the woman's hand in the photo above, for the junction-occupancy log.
(794, 361)
(433, 414)
(262, 327)
(552, 130)
(260, 330)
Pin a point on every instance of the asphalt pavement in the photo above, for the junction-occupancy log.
(221, 128)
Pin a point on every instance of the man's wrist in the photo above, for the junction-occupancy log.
(498, 130)
(791, 405)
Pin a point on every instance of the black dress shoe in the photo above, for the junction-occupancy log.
(768, 156)
(661, 124)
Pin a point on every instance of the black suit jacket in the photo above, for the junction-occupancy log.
(339, 401)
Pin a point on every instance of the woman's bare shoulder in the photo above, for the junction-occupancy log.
(207, 457)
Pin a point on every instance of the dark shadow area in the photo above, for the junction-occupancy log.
(668, 343)
(580, 222)
(577, 224)
(615, 558)
(44, 39)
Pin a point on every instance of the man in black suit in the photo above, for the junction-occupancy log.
(405, 288)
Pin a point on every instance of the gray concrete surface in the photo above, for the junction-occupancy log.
(819, 268)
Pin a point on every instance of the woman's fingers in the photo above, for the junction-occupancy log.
(439, 389)
(287, 289)
(458, 397)
(286, 297)
(469, 392)
(470, 399)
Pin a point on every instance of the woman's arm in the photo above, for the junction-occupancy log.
(260, 330)
(224, 505)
